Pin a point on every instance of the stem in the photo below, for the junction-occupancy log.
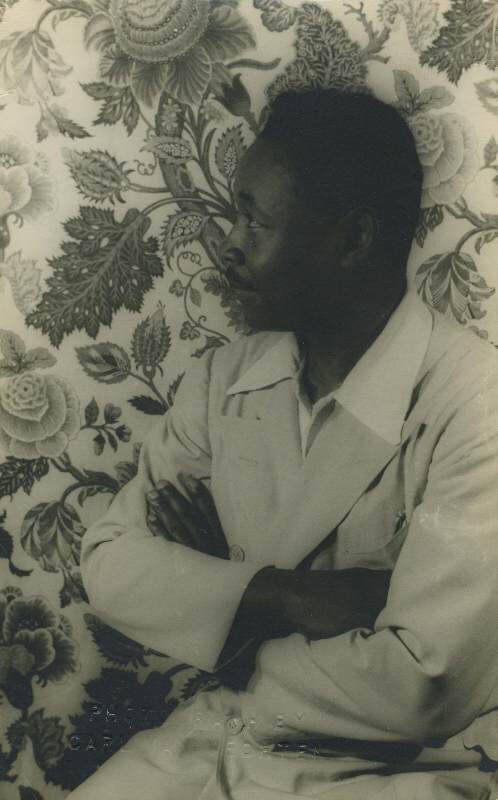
(151, 385)
(170, 201)
(465, 213)
(49, 11)
(199, 323)
(174, 670)
(68, 467)
(473, 232)
(137, 187)
(143, 117)
(67, 492)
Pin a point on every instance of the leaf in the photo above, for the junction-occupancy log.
(111, 413)
(6, 550)
(326, 56)
(98, 444)
(469, 37)
(11, 346)
(67, 126)
(112, 440)
(452, 284)
(16, 473)
(113, 645)
(108, 266)
(429, 219)
(490, 152)
(24, 278)
(47, 737)
(99, 32)
(211, 341)
(181, 229)
(170, 397)
(187, 77)
(485, 238)
(151, 340)
(131, 112)
(104, 362)
(118, 104)
(28, 793)
(227, 35)
(148, 79)
(276, 16)
(38, 358)
(195, 296)
(407, 89)
(434, 97)
(487, 92)
(147, 404)
(173, 149)
(91, 412)
(229, 151)
(98, 175)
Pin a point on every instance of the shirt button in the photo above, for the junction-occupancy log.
(236, 553)
(234, 725)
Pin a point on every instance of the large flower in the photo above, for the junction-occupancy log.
(38, 415)
(447, 148)
(173, 46)
(24, 188)
(33, 642)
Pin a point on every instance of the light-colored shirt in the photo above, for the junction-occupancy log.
(391, 362)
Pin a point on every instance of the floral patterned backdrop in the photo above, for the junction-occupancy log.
(119, 140)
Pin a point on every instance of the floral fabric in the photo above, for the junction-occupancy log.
(120, 137)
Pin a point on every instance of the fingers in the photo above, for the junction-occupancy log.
(163, 519)
(193, 522)
(202, 500)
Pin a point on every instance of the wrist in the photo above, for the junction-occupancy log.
(265, 602)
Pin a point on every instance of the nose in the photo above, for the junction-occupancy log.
(231, 254)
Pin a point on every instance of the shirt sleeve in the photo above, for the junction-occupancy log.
(167, 596)
(429, 666)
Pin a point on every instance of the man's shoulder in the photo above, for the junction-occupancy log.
(459, 363)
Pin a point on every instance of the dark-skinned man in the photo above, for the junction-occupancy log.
(316, 519)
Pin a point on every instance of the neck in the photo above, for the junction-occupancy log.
(331, 354)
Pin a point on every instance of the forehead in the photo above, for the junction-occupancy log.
(265, 177)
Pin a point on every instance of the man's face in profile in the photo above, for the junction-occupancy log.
(272, 252)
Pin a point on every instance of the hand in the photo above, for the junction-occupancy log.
(193, 522)
(318, 604)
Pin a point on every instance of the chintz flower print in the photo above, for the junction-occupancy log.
(172, 48)
(39, 414)
(447, 148)
(25, 189)
(35, 642)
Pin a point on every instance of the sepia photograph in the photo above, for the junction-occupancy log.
(248, 400)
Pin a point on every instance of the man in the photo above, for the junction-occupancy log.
(343, 562)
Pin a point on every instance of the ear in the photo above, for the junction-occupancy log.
(360, 233)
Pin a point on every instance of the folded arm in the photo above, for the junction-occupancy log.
(158, 592)
(429, 665)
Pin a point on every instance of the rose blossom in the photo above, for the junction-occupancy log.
(38, 415)
(447, 149)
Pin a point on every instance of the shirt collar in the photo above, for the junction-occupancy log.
(378, 389)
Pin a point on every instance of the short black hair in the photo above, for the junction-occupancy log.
(350, 150)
